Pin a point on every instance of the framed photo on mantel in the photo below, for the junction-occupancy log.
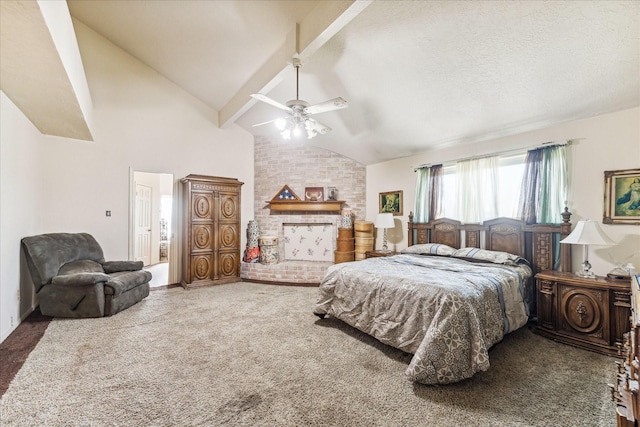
(622, 197)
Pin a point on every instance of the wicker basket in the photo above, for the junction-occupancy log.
(363, 226)
(344, 256)
(345, 233)
(345, 245)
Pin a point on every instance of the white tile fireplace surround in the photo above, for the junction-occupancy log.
(308, 242)
(305, 245)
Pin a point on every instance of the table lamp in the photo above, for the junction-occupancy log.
(384, 221)
(587, 233)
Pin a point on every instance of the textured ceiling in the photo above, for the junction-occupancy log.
(417, 75)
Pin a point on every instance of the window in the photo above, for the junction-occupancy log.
(510, 171)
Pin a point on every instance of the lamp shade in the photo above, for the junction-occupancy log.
(384, 220)
(588, 232)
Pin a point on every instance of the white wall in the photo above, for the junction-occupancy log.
(141, 121)
(21, 209)
(606, 142)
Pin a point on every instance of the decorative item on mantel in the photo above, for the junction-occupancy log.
(286, 200)
(252, 252)
(286, 193)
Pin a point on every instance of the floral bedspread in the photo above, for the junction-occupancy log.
(447, 312)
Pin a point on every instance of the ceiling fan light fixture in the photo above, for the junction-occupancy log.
(299, 112)
(281, 124)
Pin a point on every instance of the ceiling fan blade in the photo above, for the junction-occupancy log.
(263, 123)
(263, 98)
(318, 127)
(330, 105)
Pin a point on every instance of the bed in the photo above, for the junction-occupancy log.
(447, 298)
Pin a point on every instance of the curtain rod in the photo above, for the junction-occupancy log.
(500, 153)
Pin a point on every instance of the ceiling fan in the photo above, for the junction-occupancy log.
(298, 120)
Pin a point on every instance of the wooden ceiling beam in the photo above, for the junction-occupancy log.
(306, 38)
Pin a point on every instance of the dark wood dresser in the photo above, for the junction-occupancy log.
(211, 220)
(625, 391)
(591, 313)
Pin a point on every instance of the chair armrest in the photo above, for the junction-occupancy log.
(80, 279)
(115, 266)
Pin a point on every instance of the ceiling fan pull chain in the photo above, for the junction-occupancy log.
(297, 82)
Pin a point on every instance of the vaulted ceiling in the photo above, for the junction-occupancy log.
(418, 75)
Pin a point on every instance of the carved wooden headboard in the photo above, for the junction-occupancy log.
(533, 242)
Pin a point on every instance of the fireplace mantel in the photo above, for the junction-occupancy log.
(305, 206)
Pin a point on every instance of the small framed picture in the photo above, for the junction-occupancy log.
(332, 193)
(391, 202)
(622, 197)
(314, 194)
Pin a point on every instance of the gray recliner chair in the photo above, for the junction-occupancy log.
(72, 278)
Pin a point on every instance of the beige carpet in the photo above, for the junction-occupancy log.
(254, 355)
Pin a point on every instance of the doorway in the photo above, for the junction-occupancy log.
(150, 223)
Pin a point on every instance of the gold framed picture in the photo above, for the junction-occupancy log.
(622, 197)
(391, 202)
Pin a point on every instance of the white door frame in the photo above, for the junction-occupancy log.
(173, 241)
(142, 212)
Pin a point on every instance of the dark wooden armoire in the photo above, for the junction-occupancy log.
(211, 217)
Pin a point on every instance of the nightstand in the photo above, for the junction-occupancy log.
(592, 313)
(376, 254)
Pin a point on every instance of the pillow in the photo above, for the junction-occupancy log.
(485, 255)
(429, 249)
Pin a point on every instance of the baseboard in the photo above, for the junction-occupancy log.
(271, 282)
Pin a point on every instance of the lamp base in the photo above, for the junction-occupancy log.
(585, 274)
(586, 270)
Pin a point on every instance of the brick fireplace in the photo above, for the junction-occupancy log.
(300, 166)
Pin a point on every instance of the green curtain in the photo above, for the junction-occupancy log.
(553, 184)
(421, 207)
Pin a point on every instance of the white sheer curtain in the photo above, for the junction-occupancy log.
(477, 184)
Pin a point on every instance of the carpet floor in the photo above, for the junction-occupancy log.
(249, 354)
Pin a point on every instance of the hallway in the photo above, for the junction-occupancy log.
(160, 273)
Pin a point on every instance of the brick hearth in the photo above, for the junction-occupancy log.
(294, 272)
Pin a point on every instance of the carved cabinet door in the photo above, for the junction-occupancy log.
(584, 313)
(229, 235)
